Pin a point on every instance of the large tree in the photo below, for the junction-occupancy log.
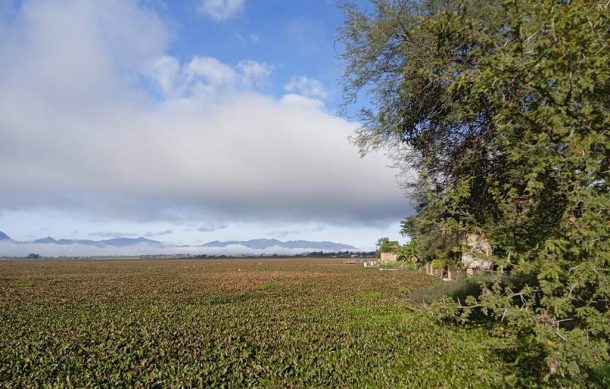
(502, 108)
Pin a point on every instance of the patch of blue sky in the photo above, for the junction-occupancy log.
(295, 38)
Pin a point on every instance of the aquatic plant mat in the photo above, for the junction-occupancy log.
(232, 323)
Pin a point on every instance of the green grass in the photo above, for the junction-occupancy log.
(232, 323)
(26, 284)
(270, 285)
(371, 294)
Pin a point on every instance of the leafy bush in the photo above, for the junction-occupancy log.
(408, 252)
(456, 290)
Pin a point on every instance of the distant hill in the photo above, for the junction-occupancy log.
(120, 242)
(270, 245)
(116, 242)
(261, 244)
(47, 240)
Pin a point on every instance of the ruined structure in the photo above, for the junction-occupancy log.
(475, 256)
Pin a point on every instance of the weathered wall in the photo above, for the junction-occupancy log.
(475, 255)
(388, 257)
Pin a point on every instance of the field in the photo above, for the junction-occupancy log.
(230, 323)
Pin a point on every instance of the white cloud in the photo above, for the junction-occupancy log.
(254, 38)
(211, 70)
(292, 100)
(165, 71)
(112, 234)
(211, 227)
(221, 10)
(297, 231)
(254, 72)
(205, 76)
(306, 86)
(151, 234)
(79, 133)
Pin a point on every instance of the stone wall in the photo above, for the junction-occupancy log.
(388, 256)
(476, 252)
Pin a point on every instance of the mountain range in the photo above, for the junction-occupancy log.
(253, 244)
(115, 242)
(261, 244)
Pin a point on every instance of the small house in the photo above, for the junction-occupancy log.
(389, 251)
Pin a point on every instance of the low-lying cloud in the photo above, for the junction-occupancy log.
(212, 227)
(152, 234)
(296, 232)
(111, 234)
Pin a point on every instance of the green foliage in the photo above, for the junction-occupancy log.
(181, 323)
(270, 285)
(408, 252)
(457, 290)
(371, 295)
(503, 110)
(385, 245)
(437, 264)
(397, 265)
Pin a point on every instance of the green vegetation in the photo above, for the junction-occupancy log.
(502, 108)
(388, 265)
(437, 264)
(408, 252)
(371, 295)
(458, 290)
(211, 323)
(270, 285)
(385, 245)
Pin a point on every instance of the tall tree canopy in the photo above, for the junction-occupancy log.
(503, 110)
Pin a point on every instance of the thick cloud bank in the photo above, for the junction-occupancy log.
(97, 118)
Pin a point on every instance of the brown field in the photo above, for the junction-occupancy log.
(272, 322)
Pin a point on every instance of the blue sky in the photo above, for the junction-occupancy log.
(294, 37)
(297, 37)
(183, 121)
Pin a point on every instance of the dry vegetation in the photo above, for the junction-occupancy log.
(230, 323)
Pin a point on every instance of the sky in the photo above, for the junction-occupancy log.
(185, 122)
